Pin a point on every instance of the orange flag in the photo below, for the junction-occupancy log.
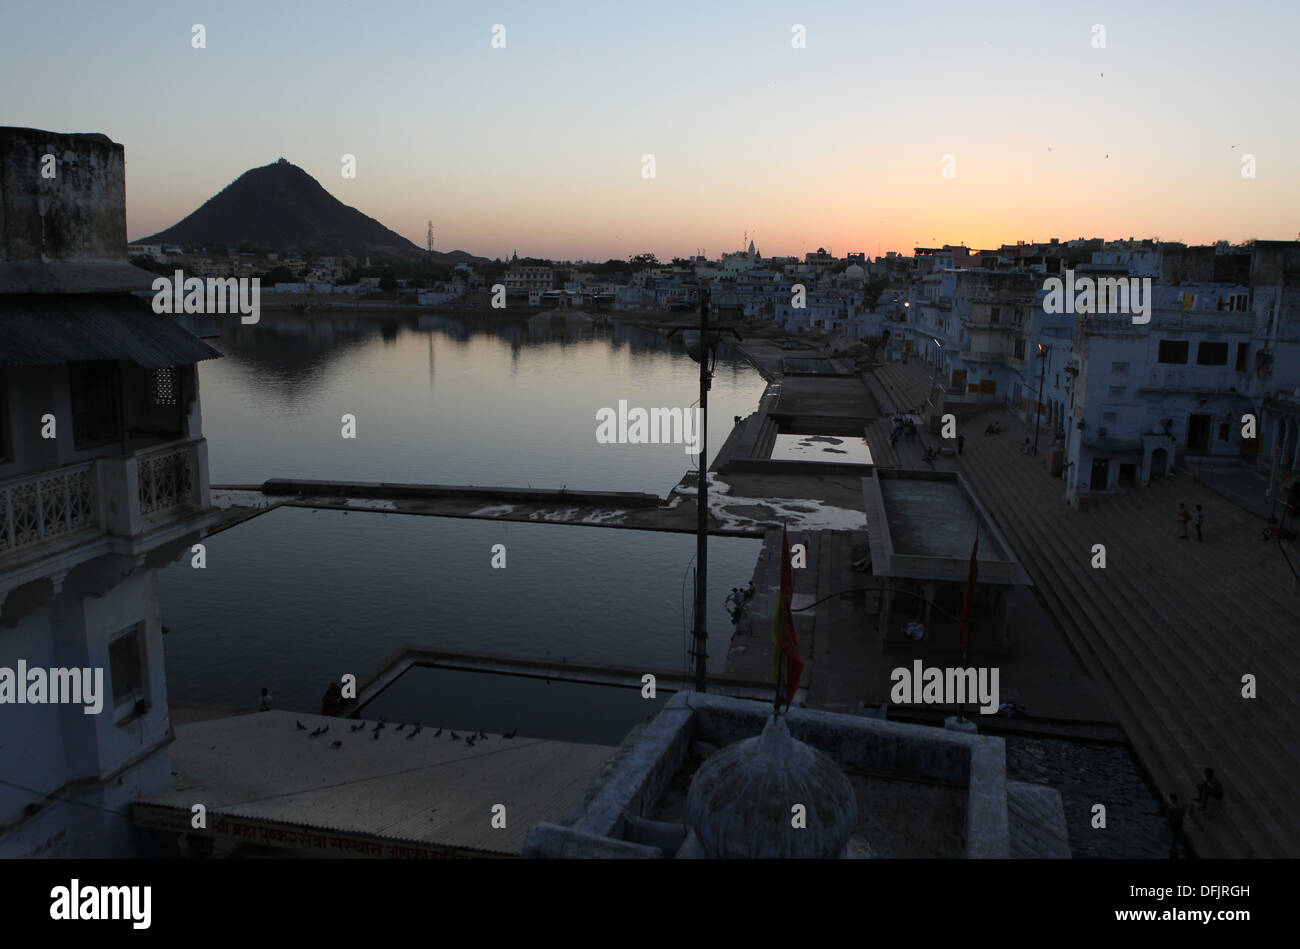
(784, 641)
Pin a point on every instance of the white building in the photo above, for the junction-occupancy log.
(154, 251)
(1146, 395)
(103, 480)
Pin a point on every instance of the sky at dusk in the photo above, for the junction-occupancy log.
(538, 147)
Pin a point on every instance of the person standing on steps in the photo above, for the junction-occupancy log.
(1208, 790)
(1198, 519)
(1183, 518)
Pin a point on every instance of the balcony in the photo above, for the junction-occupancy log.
(130, 504)
(59, 504)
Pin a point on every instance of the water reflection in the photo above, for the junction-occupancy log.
(442, 398)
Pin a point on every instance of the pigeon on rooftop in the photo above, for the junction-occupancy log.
(401, 726)
(358, 726)
(375, 734)
(301, 726)
(470, 741)
(337, 744)
(482, 736)
(511, 734)
(325, 729)
(438, 733)
(455, 737)
(414, 732)
(317, 733)
(378, 726)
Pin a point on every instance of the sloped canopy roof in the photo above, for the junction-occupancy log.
(49, 329)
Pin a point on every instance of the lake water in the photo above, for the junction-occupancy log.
(444, 401)
(296, 598)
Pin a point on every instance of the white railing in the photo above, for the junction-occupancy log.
(168, 478)
(35, 508)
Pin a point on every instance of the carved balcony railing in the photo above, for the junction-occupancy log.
(168, 479)
(43, 506)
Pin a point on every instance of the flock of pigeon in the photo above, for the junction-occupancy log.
(382, 724)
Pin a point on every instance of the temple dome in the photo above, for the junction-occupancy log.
(741, 800)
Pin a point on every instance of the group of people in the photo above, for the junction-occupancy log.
(903, 428)
(1209, 789)
(737, 599)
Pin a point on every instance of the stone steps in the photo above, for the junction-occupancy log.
(1254, 567)
(883, 454)
(1166, 761)
(884, 401)
(1226, 589)
(1189, 653)
(908, 385)
(1126, 653)
(1064, 602)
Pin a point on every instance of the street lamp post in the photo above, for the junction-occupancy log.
(1042, 375)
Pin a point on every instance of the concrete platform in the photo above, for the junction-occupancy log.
(265, 782)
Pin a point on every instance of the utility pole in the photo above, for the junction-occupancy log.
(702, 501)
(704, 353)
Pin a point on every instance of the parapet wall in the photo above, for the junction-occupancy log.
(624, 793)
(78, 214)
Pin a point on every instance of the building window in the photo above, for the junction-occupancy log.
(1119, 368)
(1117, 391)
(1225, 432)
(995, 315)
(1212, 354)
(1242, 350)
(1110, 416)
(164, 387)
(1173, 351)
(1020, 349)
(127, 670)
(96, 416)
